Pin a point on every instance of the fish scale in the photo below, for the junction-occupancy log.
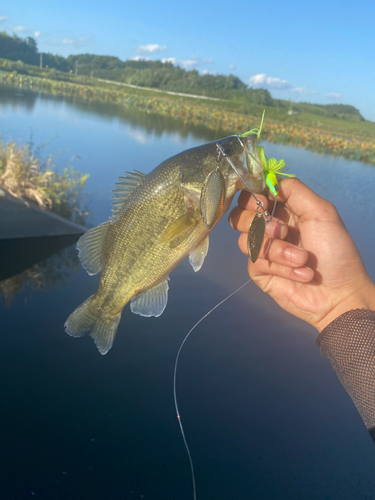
(135, 240)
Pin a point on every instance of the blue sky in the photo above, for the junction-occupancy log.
(321, 51)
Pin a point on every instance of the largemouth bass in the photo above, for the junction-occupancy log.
(158, 219)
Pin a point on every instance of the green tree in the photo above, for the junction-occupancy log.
(16, 49)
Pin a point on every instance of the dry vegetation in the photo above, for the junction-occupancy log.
(36, 180)
(353, 140)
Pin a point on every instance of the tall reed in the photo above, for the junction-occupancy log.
(36, 180)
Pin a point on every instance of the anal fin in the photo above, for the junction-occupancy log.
(152, 302)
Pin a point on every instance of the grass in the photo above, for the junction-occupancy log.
(36, 180)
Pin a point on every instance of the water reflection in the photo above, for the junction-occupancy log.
(149, 123)
(21, 253)
(16, 98)
(264, 412)
(42, 276)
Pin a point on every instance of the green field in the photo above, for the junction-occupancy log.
(347, 134)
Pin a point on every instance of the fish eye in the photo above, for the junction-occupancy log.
(228, 150)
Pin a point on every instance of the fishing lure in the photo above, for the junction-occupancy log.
(271, 168)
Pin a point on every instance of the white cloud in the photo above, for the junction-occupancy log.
(187, 63)
(262, 80)
(36, 34)
(172, 60)
(333, 96)
(232, 66)
(138, 135)
(140, 58)
(304, 90)
(151, 48)
(21, 29)
(83, 39)
(76, 42)
(202, 61)
(272, 83)
(206, 72)
(184, 63)
(4, 19)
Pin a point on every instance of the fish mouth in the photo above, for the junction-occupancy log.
(253, 161)
(255, 179)
(247, 164)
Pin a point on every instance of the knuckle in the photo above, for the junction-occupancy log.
(275, 252)
(327, 210)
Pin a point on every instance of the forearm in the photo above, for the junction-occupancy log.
(349, 343)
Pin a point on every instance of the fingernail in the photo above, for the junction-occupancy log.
(294, 254)
(277, 229)
(303, 273)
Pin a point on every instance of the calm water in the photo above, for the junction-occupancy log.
(264, 414)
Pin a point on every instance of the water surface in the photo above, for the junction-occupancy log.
(264, 413)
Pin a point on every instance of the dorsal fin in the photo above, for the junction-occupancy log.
(124, 188)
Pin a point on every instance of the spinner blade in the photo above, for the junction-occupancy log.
(212, 198)
(255, 236)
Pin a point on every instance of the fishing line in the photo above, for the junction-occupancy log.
(175, 379)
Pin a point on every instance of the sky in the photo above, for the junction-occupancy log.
(320, 52)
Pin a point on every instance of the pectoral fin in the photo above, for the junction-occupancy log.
(179, 227)
(90, 247)
(197, 256)
(212, 198)
(152, 302)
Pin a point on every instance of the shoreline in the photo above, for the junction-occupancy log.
(211, 116)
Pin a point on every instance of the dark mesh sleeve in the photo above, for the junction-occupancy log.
(349, 343)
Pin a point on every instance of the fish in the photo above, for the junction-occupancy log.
(157, 220)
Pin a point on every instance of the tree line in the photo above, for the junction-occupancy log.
(161, 75)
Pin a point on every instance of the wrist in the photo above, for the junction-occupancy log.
(361, 299)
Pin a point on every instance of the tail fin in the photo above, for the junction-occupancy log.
(83, 321)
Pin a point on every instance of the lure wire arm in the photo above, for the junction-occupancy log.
(260, 209)
(238, 137)
(273, 209)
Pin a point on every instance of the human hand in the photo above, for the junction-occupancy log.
(310, 266)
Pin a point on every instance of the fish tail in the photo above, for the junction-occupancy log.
(84, 321)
